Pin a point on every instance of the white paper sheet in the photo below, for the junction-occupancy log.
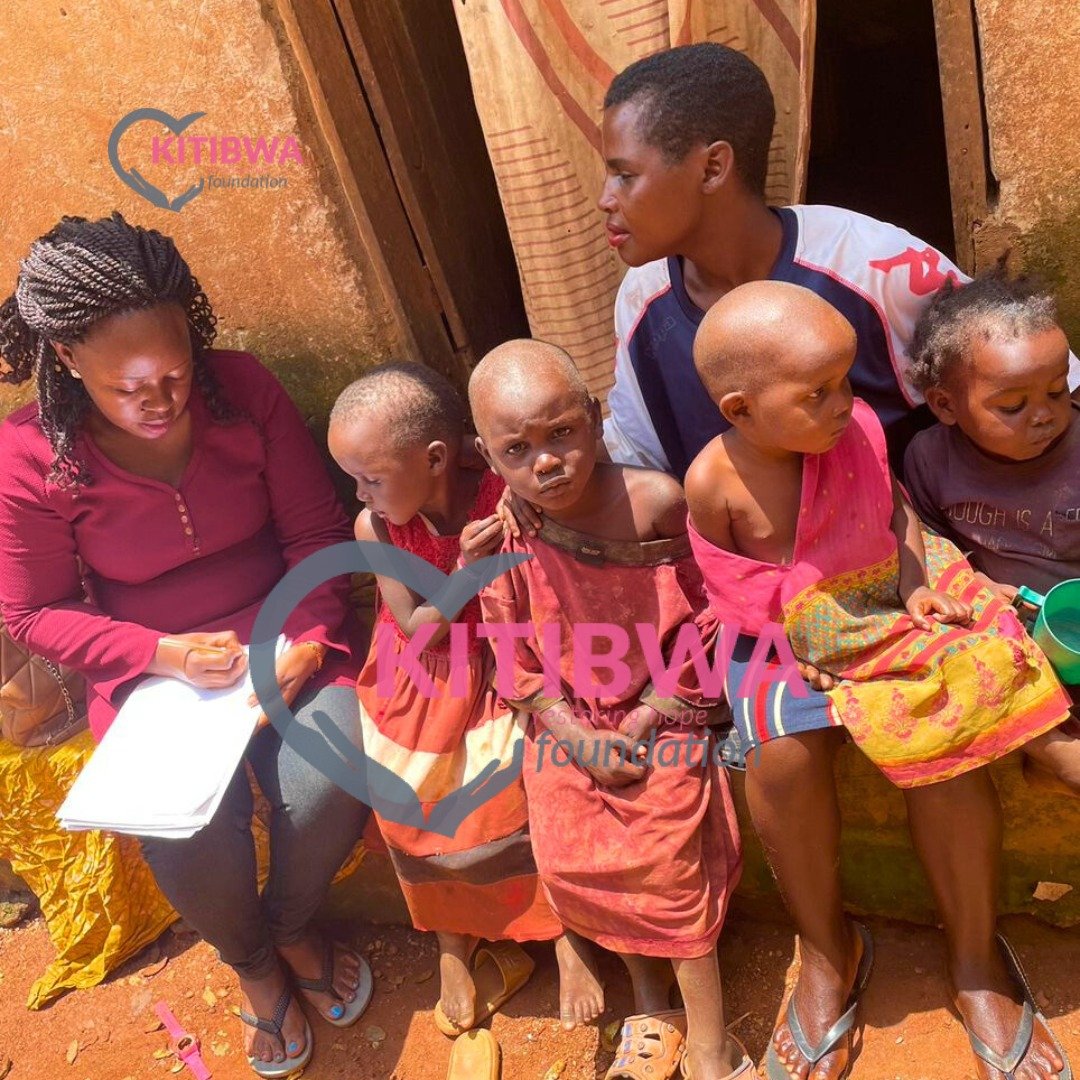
(165, 762)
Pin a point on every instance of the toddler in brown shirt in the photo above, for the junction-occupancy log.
(1000, 474)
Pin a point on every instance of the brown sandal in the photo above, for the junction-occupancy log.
(745, 1066)
(499, 970)
(651, 1047)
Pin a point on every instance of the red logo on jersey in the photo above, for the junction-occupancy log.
(923, 274)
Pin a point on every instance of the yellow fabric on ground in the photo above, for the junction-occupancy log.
(99, 900)
(98, 897)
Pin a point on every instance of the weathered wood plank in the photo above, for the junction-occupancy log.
(965, 123)
(351, 136)
(413, 67)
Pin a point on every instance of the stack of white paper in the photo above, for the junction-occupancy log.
(165, 762)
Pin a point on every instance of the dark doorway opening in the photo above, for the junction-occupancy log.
(877, 136)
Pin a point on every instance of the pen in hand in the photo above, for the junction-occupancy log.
(187, 646)
(210, 660)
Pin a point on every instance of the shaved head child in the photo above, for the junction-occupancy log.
(640, 857)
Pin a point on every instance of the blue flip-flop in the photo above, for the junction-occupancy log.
(774, 1067)
(1008, 1062)
(351, 1011)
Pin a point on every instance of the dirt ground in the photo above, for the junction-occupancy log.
(910, 1031)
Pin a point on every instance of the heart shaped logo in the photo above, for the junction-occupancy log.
(328, 749)
(133, 178)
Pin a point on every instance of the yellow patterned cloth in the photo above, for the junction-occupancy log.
(99, 899)
(925, 706)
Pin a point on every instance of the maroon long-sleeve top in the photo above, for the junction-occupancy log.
(254, 501)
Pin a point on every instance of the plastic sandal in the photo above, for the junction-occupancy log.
(475, 1057)
(652, 1046)
(774, 1067)
(271, 1070)
(742, 1069)
(499, 971)
(324, 984)
(1007, 1063)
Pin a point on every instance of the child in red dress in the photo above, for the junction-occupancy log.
(640, 859)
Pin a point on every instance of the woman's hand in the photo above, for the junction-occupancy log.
(517, 514)
(925, 604)
(480, 538)
(211, 661)
(293, 668)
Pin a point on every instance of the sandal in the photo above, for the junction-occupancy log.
(744, 1066)
(1008, 1062)
(652, 1046)
(775, 1068)
(271, 1070)
(351, 1011)
(499, 971)
(475, 1057)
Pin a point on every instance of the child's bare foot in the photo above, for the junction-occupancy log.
(821, 996)
(306, 956)
(260, 997)
(457, 994)
(581, 996)
(993, 1013)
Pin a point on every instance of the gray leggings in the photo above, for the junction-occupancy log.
(210, 878)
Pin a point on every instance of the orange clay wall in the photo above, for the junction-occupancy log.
(1030, 54)
(285, 275)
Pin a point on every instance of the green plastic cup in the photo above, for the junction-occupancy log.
(1057, 627)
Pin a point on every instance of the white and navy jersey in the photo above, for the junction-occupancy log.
(877, 275)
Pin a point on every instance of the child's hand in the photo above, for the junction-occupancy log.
(517, 514)
(818, 679)
(624, 763)
(480, 538)
(998, 588)
(640, 722)
(925, 604)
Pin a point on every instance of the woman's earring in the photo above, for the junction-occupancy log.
(74, 373)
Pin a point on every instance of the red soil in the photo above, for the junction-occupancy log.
(910, 1031)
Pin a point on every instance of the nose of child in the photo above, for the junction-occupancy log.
(1041, 416)
(545, 463)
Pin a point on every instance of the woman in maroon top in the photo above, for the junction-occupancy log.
(161, 487)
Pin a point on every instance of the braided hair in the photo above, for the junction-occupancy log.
(78, 274)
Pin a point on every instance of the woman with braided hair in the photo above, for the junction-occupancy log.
(150, 499)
